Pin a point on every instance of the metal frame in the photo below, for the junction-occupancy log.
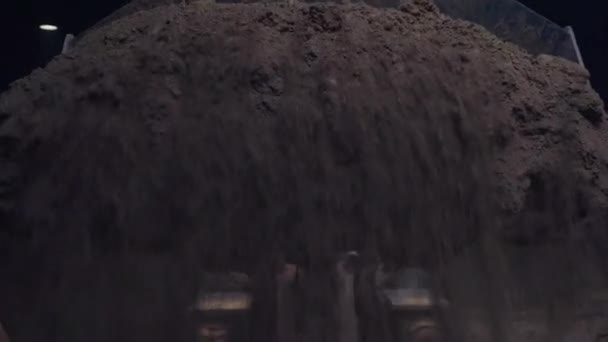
(579, 56)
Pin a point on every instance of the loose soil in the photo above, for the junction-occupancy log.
(229, 136)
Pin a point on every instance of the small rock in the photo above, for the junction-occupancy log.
(173, 85)
(465, 58)
(267, 82)
(594, 115)
(590, 109)
(266, 108)
(502, 135)
(310, 58)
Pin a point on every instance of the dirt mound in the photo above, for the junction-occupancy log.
(245, 109)
(227, 135)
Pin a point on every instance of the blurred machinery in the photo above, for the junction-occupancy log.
(222, 312)
(415, 308)
(222, 309)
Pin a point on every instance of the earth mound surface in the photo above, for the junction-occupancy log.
(229, 135)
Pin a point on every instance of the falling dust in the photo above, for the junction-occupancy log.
(208, 137)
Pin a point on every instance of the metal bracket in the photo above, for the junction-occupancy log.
(67, 43)
(579, 56)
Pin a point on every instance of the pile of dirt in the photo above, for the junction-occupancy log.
(232, 135)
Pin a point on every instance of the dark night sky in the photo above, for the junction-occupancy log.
(25, 47)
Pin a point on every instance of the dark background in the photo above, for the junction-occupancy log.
(25, 47)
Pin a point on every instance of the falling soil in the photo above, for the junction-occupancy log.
(217, 137)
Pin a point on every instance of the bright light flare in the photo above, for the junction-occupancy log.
(47, 27)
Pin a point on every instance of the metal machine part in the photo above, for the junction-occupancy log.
(425, 330)
(414, 305)
(68, 43)
(213, 332)
(3, 335)
(224, 301)
(286, 302)
(411, 290)
(222, 308)
(348, 322)
(290, 277)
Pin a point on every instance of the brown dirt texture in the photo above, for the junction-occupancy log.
(226, 135)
